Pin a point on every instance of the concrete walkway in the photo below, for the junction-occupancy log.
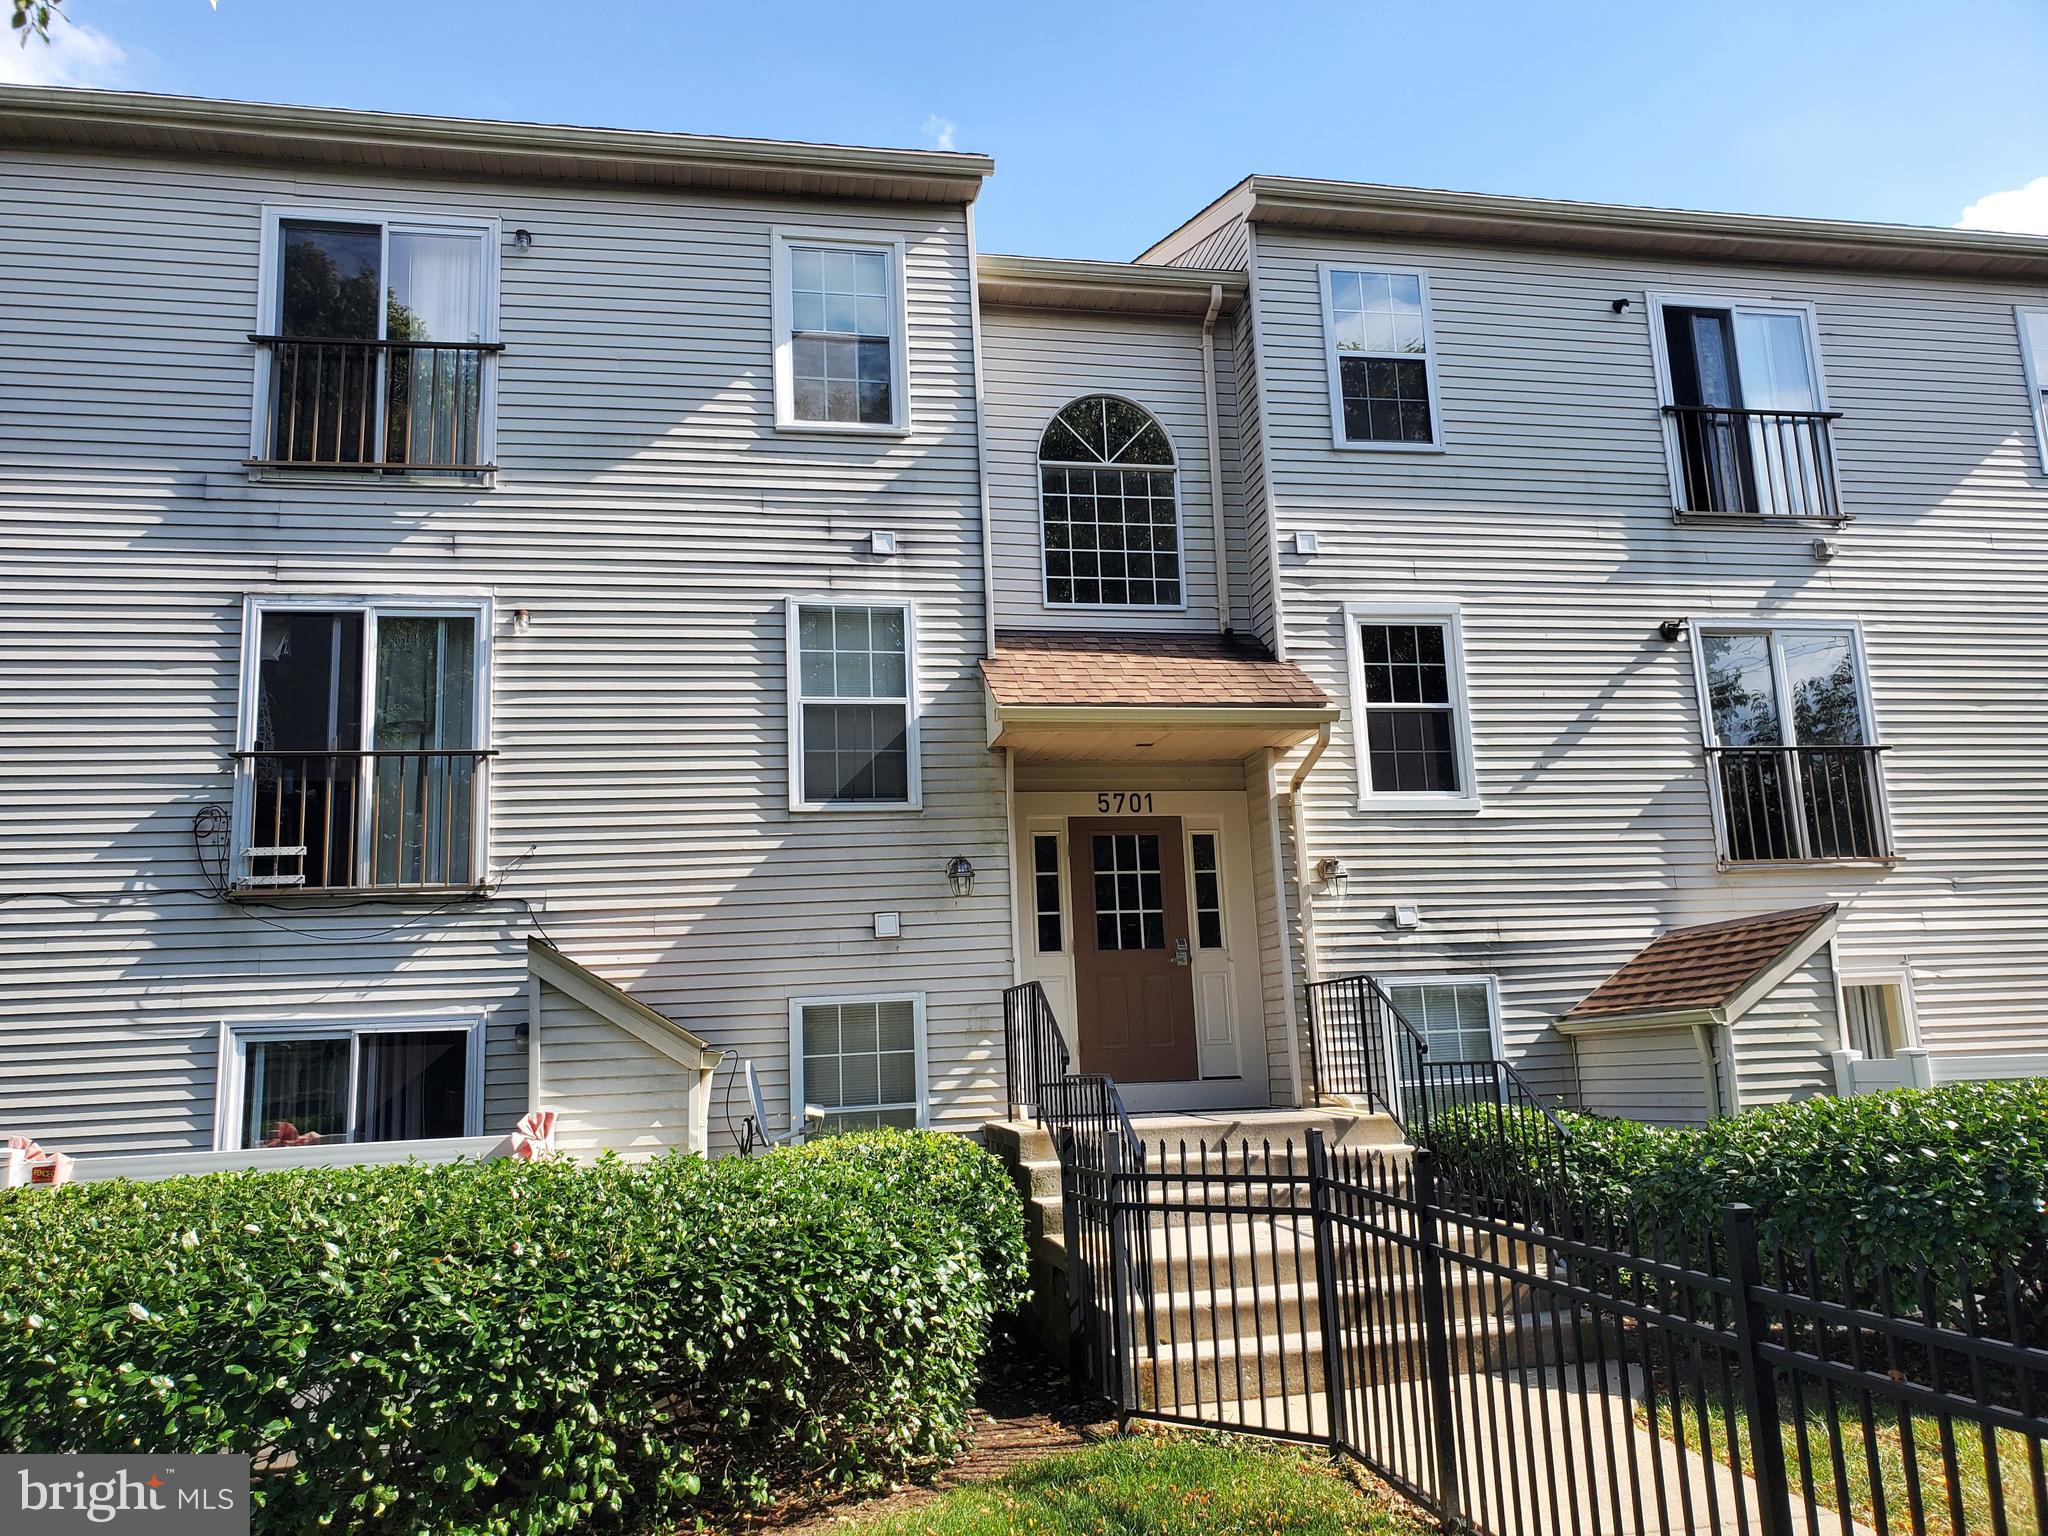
(1539, 1455)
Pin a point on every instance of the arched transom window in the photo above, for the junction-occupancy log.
(1111, 527)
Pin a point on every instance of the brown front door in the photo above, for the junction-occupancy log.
(1135, 991)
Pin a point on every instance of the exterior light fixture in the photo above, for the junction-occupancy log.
(522, 240)
(1331, 872)
(1620, 306)
(960, 870)
(522, 621)
(1673, 630)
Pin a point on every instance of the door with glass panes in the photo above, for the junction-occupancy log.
(1133, 982)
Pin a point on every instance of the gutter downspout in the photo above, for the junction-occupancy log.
(1216, 514)
(1309, 969)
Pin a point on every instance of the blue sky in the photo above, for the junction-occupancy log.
(1110, 124)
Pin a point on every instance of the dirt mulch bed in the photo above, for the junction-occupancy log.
(1025, 1409)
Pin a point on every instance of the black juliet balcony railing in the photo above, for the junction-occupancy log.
(361, 821)
(1782, 805)
(1760, 464)
(345, 403)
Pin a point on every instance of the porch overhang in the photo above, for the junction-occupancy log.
(1090, 733)
(1075, 696)
(1706, 976)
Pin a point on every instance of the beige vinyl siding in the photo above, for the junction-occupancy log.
(1261, 576)
(1034, 362)
(1232, 402)
(610, 1091)
(1274, 895)
(1225, 248)
(1548, 520)
(648, 520)
(1781, 1045)
(1644, 1074)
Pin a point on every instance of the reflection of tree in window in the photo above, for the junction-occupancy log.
(1106, 484)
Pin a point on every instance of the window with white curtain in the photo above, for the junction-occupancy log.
(363, 747)
(305, 1085)
(381, 342)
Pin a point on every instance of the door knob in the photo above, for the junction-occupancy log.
(1180, 951)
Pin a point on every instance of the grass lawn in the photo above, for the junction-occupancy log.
(1159, 1485)
(1974, 1485)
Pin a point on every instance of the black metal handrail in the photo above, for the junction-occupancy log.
(1040, 1076)
(359, 819)
(1766, 464)
(1785, 804)
(1362, 1046)
(351, 402)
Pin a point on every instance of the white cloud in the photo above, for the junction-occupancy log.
(74, 55)
(942, 131)
(2021, 211)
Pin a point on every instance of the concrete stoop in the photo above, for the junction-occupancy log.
(1236, 1311)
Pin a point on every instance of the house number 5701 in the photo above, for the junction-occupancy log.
(1117, 802)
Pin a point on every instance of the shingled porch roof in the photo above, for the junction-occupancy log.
(1176, 696)
(1711, 972)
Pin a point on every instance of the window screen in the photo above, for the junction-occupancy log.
(860, 1062)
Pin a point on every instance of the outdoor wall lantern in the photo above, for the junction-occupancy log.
(522, 240)
(1331, 872)
(960, 870)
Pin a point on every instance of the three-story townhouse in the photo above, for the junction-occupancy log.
(502, 617)
(459, 574)
(1685, 577)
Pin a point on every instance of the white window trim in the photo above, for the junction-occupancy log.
(1657, 302)
(797, 1005)
(1697, 629)
(1451, 618)
(1900, 976)
(1392, 979)
(232, 1062)
(2036, 370)
(1437, 442)
(255, 605)
(793, 649)
(1180, 532)
(782, 311)
(268, 275)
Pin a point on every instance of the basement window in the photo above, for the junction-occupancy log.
(860, 1059)
(309, 1085)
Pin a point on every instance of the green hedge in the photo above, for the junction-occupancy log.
(1948, 1175)
(512, 1347)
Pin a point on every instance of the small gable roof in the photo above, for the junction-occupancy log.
(617, 1006)
(1710, 973)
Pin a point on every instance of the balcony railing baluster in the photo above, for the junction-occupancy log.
(419, 807)
(1800, 804)
(352, 403)
(1762, 464)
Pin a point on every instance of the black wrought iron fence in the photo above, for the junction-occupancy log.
(1590, 1375)
(348, 402)
(1737, 463)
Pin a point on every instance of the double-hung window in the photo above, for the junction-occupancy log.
(1457, 1020)
(1381, 354)
(294, 1085)
(1791, 744)
(377, 344)
(841, 357)
(853, 696)
(1745, 409)
(364, 745)
(860, 1059)
(2034, 356)
(1409, 717)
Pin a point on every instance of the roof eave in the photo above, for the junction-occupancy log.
(1532, 221)
(64, 117)
(1081, 716)
(1636, 1019)
(1033, 282)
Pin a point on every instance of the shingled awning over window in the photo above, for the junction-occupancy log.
(1167, 697)
(1704, 974)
